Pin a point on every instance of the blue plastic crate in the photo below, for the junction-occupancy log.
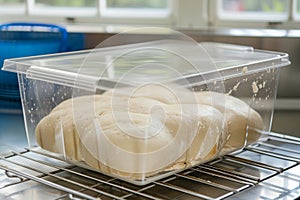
(25, 39)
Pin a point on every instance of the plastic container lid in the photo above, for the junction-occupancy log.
(67, 68)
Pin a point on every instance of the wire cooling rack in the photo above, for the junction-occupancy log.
(264, 170)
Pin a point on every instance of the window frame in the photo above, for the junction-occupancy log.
(296, 17)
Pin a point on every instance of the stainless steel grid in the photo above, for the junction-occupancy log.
(264, 170)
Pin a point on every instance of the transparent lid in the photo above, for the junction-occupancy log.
(134, 64)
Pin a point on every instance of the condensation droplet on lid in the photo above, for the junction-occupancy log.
(254, 87)
(264, 83)
(245, 70)
(236, 86)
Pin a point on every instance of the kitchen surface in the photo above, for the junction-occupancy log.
(58, 143)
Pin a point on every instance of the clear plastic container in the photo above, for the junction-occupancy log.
(143, 111)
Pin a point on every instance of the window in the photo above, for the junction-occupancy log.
(89, 8)
(66, 3)
(296, 10)
(274, 10)
(64, 7)
(12, 6)
(253, 13)
(135, 8)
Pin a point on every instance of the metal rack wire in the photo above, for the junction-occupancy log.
(264, 170)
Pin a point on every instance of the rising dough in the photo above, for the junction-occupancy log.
(243, 123)
(139, 132)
